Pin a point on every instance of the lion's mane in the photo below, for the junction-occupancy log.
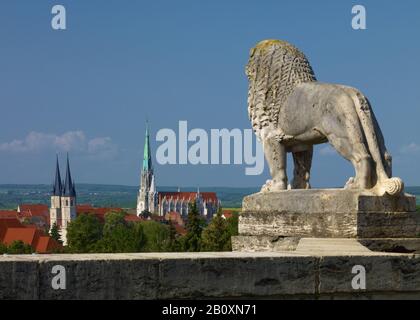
(274, 68)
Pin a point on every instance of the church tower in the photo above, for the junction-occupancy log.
(146, 200)
(55, 208)
(63, 201)
(68, 203)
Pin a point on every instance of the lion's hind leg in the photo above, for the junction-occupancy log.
(357, 153)
(341, 125)
(302, 169)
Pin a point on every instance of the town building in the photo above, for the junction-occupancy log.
(207, 203)
(162, 203)
(29, 214)
(12, 229)
(34, 214)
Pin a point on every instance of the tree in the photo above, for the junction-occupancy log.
(83, 233)
(139, 236)
(216, 237)
(120, 235)
(113, 220)
(192, 240)
(174, 243)
(3, 248)
(146, 214)
(19, 247)
(157, 236)
(232, 223)
(55, 233)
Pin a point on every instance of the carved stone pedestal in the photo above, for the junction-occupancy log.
(276, 221)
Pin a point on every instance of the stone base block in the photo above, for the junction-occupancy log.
(327, 213)
(264, 243)
(325, 245)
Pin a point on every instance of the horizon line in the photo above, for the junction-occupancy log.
(164, 186)
(125, 185)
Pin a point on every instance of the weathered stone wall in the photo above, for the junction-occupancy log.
(209, 275)
(329, 213)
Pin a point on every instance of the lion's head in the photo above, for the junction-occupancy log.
(270, 54)
(274, 68)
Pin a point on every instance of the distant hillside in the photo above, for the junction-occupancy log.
(106, 195)
(119, 196)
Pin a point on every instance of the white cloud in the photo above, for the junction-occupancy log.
(327, 150)
(71, 141)
(102, 146)
(412, 148)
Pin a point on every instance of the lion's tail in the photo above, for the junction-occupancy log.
(374, 138)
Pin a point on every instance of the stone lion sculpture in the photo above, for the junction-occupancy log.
(291, 111)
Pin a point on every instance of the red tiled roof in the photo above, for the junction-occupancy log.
(42, 244)
(8, 214)
(157, 218)
(27, 235)
(84, 207)
(8, 223)
(180, 230)
(37, 214)
(175, 217)
(35, 209)
(24, 214)
(94, 210)
(30, 235)
(132, 218)
(189, 196)
(46, 244)
(227, 213)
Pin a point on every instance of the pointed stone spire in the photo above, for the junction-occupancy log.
(147, 158)
(147, 191)
(58, 187)
(68, 190)
(74, 188)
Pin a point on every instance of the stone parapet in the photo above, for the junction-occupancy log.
(227, 275)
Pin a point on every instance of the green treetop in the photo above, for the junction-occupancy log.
(216, 237)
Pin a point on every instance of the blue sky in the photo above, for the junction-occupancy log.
(89, 89)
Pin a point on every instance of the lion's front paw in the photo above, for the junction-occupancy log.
(271, 186)
(350, 183)
(267, 186)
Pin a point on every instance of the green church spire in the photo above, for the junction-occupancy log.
(147, 158)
